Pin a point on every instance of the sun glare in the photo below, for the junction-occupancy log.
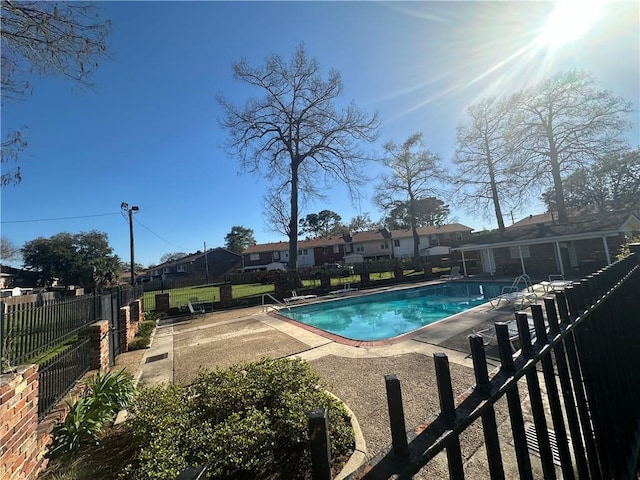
(568, 21)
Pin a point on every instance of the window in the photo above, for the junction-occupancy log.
(254, 256)
(433, 240)
(384, 245)
(166, 270)
(446, 238)
(336, 249)
(275, 255)
(180, 268)
(459, 236)
(303, 252)
(515, 252)
(348, 248)
(396, 242)
(359, 247)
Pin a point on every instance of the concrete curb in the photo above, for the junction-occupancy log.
(359, 454)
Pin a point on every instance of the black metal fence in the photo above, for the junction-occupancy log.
(48, 333)
(581, 350)
(58, 374)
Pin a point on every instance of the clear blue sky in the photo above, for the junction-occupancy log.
(149, 136)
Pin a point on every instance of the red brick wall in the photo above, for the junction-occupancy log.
(99, 344)
(128, 328)
(21, 456)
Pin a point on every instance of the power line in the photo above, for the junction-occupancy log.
(59, 218)
(154, 233)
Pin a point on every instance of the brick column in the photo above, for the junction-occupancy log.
(226, 296)
(20, 453)
(98, 334)
(162, 303)
(365, 279)
(128, 329)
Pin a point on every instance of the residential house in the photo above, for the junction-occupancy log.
(257, 257)
(372, 245)
(434, 240)
(208, 266)
(540, 245)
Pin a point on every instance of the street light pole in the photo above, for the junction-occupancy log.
(125, 206)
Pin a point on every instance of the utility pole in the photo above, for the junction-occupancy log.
(125, 206)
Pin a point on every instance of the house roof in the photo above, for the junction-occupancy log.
(217, 254)
(587, 226)
(267, 247)
(432, 230)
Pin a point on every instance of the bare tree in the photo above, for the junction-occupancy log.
(295, 133)
(416, 173)
(9, 251)
(276, 209)
(483, 158)
(562, 125)
(10, 150)
(46, 38)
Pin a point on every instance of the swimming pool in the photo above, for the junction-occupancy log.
(386, 315)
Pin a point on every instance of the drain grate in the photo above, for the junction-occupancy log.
(155, 358)
(532, 442)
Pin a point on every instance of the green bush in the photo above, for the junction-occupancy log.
(139, 342)
(249, 421)
(103, 397)
(146, 327)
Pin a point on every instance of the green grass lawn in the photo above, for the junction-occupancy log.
(211, 293)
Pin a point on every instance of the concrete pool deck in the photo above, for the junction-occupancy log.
(355, 374)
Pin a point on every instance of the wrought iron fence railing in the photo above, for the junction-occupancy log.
(576, 372)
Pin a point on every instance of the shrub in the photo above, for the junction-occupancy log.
(146, 327)
(103, 397)
(249, 421)
(138, 343)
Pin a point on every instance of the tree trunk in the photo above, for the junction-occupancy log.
(293, 222)
(414, 229)
(494, 188)
(557, 182)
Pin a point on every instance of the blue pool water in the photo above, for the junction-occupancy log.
(386, 315)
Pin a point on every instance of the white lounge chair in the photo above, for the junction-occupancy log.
(516, 295)
(556, 283)
(194, 307)
(295, 297)
(453, 274)
(489, 336)
(346, 289)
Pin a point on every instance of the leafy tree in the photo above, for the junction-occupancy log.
(294, 131)
(239, 239)
(84, 258)
(170, 257)
(9, 252)
(322, 224)
(46, 38)
(429, 211)
(562, 125)
(613, 183)
(483, 159)
(415, 175)
(363, 223)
